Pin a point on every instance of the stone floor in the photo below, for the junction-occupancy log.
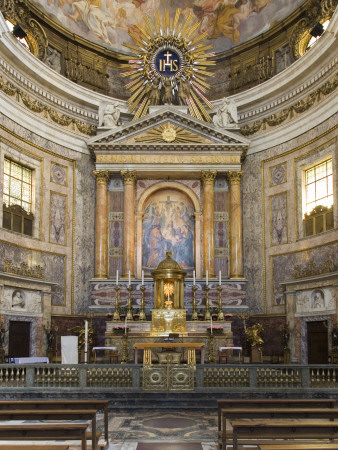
(152, 429)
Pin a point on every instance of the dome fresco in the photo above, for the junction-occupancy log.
(227, 22)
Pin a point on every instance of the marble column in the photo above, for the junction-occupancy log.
(235, 232)
(208, 179)
(129, 178)
(101, 224)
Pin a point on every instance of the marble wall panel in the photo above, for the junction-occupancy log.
(58, 218)
(53, 265)
(278, 174)
(279, 228)
(59, 174)
(221, 234)
(84, 238)
(115, 234)
(252, 232)
(283, 266)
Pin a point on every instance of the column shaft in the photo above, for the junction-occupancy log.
(101, 229)
(208, 178)
(129, 178)
(236, 265)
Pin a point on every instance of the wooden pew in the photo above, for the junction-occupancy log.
(44, 432)
(45, 446)
(274, 413)
(89, 414)
(271, 403)
(297, 446)
(282, 429)
(59, 405)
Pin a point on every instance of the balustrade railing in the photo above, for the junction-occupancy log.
(208, 376)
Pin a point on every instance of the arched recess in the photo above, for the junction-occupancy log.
(165, 185)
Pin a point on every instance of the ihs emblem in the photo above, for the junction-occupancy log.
(169, 66)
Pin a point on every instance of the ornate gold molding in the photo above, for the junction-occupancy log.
(38, 107)
(288, 113)
(23, 269)
(102, 176)
(129, 176)
(208, 176)
(235, 177)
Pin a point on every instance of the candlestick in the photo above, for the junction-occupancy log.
(220, 277)
(86, 342)
(194, 309)
(194, 278)
(129, 278)
(207, 314)
(116, 315)
(142, 277)
(129, 315)
(220, 315)
(117, 278)
(125, 325)
(211, 324)
(206, 278)
(142, 309)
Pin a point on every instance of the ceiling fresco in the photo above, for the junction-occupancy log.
(227, 22)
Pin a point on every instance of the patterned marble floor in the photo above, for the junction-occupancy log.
(156, 429)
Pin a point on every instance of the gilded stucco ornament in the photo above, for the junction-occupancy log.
(169, 66)
(39, 107)
(287, 113)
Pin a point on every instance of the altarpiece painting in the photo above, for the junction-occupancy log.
(168, 225)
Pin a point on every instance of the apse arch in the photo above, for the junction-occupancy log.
(143, 202)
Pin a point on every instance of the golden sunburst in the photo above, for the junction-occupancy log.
(168, 133)
(169, 65)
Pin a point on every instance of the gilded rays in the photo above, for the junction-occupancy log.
(169, 65)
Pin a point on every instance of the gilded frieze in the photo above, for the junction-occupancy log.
(169, 159)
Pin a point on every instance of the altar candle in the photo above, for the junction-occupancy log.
(206, 278)
(117, 277)
(194, 277)
(125, 325)
(142, 277)
(220, 277)
(211, 324)
(86, 341)
(129, 278)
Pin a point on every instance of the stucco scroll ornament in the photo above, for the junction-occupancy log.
(226, 115)
(109, 115)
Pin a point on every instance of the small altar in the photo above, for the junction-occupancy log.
(168, 328)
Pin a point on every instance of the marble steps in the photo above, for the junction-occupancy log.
(163, 400)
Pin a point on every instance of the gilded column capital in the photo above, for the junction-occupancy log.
(234, 177)
(102, 176)
(208, 176)
(129, 176)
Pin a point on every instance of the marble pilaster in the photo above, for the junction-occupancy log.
(235, 235)
(101, 230)
(129, 178)
(208, 178)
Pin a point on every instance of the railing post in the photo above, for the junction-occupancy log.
(253, 377)
(136, 372)
(30, 376)
(305, 377)
(83, 375)
(199, 376)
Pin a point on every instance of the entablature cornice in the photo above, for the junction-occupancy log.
(109, 148)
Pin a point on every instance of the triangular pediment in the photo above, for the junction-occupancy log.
(167, 127)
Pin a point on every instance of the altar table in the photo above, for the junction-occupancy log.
(102, 348)
(30, 360)
(240, 349)
(147, 346)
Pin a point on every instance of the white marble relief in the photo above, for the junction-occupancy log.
(21, 301)
(313, 301)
